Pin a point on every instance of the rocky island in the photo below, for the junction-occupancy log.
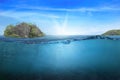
(112, 32)
(23, 30)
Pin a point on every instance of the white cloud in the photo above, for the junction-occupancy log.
(20, 14)
(81, 9)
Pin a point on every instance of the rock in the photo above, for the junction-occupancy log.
(23, 30)
(112, 32)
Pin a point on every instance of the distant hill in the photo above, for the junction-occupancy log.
(23, 30)
(112, 32)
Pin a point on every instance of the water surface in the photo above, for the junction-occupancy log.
(60, 58)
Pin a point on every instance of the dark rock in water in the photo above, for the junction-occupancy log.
(23, 30)
(100, 37)
(66, 42)
(112, 32)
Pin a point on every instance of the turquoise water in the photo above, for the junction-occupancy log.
(93, 59)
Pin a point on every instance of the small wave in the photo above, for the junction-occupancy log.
(56, 39)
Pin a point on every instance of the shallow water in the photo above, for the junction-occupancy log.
(60, 58)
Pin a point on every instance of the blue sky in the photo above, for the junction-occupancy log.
(62, 17)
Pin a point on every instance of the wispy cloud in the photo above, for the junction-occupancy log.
(81, 9)
(23, 14)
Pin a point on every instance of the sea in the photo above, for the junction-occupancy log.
(77, 57)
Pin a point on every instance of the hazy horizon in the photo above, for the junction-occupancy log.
(62, 17)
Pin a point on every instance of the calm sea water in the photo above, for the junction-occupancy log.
(61, 59)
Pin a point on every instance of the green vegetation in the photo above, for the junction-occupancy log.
(34, 31)
(112, 32)
(23, 30)
(8, 30)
